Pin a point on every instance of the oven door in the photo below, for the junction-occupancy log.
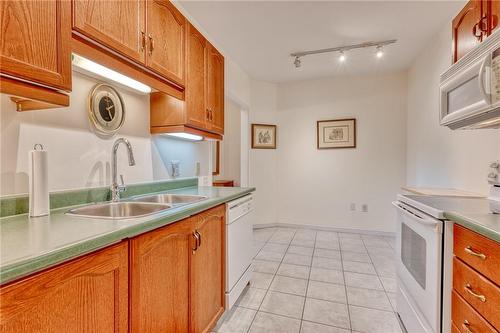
(419, 270)
(467, 93)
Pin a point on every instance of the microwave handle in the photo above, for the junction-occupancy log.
(481, 80)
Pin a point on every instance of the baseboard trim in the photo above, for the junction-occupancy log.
(324, 228)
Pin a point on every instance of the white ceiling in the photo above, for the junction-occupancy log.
(260, 35)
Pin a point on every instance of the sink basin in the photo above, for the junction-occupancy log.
(170, 199)
(118, 210)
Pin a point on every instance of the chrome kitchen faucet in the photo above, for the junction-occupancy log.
(116, 189)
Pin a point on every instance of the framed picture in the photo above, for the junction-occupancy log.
(263, 136)
(338, 133)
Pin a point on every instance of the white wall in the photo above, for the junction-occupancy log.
(230, 159)
(437, 156)
(78, 158)
(316, 187)
(263, 162)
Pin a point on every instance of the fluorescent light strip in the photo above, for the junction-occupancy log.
(110, 74)
(186, 136)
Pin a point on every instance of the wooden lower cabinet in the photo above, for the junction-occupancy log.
(159, 279)
(168, 280)
(177, 275)
(207, 270)
(89, 294)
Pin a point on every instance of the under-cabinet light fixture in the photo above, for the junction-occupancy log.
(109, 74)
(186, 136)
(341, 49)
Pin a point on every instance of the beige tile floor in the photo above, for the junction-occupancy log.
(317, 281)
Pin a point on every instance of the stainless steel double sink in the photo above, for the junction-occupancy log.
(136, 206)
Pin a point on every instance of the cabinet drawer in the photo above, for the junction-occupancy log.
(478, 291)
(477, 251)
(466, 318)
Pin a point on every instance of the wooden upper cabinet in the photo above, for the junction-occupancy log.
(493, 14)
(35, 41)
(215, 90)
(89, 294)
(166, 36)
(196, 90)
(208, 271)
(160, 279)
(466, 27)
(118, 25)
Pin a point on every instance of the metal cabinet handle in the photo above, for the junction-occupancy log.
(470, 251)
(477, 32)
(199, 238)
(196, 239)
(468, 288)
(466, 326)
(151, 44)
(143, 41)
(208, 114)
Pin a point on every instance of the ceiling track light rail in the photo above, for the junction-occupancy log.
(341, 49)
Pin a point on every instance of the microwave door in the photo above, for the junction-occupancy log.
(466, 93)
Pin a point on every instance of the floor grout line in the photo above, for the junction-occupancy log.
(274, 276)
(308, 280)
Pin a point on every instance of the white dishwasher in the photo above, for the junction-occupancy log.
(239, 247)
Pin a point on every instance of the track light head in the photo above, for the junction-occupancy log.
(379, 53)
(297, 62)
(342, 56)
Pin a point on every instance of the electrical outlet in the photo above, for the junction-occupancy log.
(353, 206)
(197, 168)
(364, 208)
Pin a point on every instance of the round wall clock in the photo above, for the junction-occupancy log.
(106, 110)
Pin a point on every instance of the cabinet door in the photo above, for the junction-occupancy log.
(493, 14)
(159, 279)
(216, 90)
(166, 39)
(86, 295)
(116, 24)
(207, 270)
(196, 107)
(467, 31)
(35, 41)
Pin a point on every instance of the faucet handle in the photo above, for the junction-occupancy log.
(122, 186)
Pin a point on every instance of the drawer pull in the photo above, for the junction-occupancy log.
(470, 251)
(468, 288)
(466, 326)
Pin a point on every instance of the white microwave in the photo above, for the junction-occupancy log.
(470, 88)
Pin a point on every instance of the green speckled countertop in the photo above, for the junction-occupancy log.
(29, 244)
(487, 225)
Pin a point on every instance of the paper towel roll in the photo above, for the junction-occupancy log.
(38, 182)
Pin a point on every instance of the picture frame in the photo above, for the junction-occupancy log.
(336, 133)
(263, 136)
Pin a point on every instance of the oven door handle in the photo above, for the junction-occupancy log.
(414, 216)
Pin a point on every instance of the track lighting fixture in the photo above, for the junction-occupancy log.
(342, 57)
(379, 53)
(297, 62)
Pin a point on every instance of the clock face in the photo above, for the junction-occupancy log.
(106, 110)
